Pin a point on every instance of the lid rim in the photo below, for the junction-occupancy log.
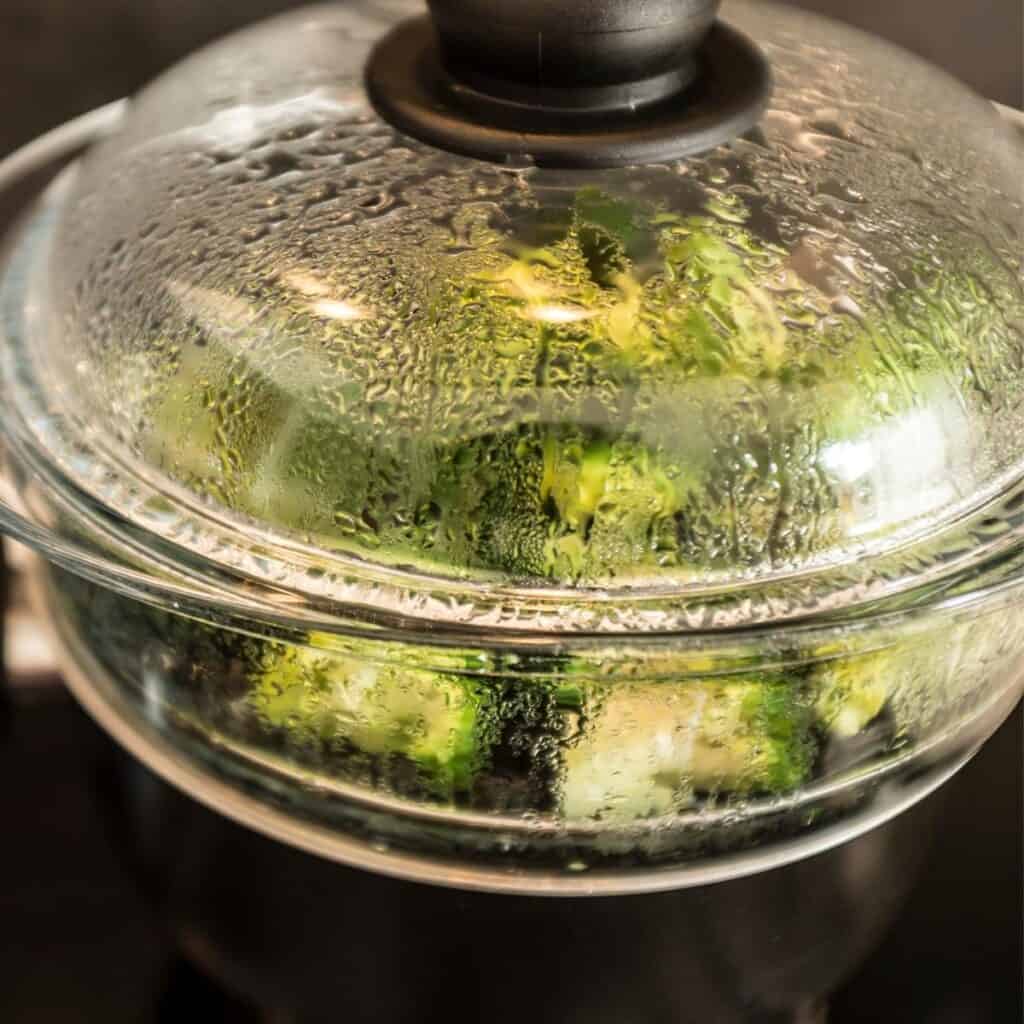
(662, 611)
(138, 570)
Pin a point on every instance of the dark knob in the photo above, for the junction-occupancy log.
(569, 83)
(570, 43)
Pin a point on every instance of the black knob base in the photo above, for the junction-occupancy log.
(713, 95)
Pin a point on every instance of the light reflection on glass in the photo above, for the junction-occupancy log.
(336, 309)
(324, 305)
(558, 314)
(905, 467)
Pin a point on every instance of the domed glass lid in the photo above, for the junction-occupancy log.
(269, 327)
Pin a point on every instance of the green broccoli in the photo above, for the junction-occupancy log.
(555, 503)
(200, 431)
(648, 748)
(916, 680)
(325, 701)
(620, 502)
(851, 691)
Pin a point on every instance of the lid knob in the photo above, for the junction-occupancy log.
(571, 83)
(570, 43)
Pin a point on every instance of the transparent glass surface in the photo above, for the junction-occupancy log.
(267, 320)
(522, 529)
(598, 769)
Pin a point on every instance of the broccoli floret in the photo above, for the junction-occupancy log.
(323, 700)
(648, 748)
(852, 691)
(211, 435)
(632, 520)
(556, 503)
(918, 681)
(617, 503)
(490, 508)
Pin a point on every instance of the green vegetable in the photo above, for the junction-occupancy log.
(852, 691)
(619, 504)
(556, 503)
(919, 681)
(325, 702)
(648, 748)
(581, 736)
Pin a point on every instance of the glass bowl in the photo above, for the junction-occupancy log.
(473, 729)
(554, 805)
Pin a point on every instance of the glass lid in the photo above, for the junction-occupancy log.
(779, 377)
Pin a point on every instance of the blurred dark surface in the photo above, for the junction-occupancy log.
(59, 58)
(77, 942)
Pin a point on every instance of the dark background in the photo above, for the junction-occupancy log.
(77, 944)
(63, 57)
